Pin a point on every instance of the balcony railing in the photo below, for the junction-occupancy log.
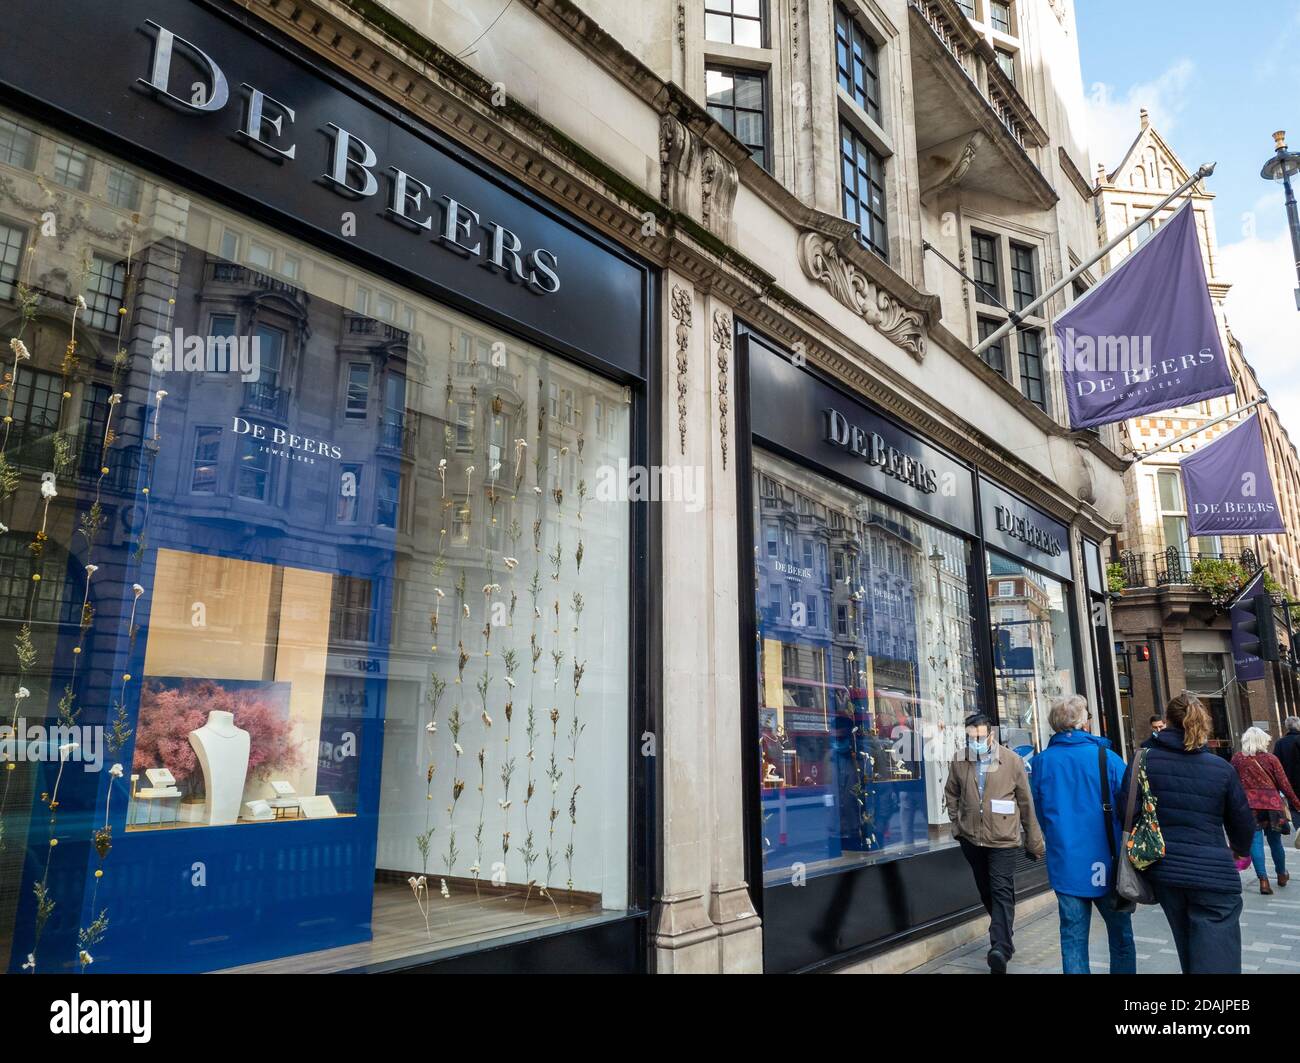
(1174, 567)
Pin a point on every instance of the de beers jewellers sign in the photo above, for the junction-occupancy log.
(207, 94)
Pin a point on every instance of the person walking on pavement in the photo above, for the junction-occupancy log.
(1287, 750)
(1198, 798)
(1078, 822)
(989, 804)
(1265, 784)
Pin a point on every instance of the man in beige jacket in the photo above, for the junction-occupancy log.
(989, 804)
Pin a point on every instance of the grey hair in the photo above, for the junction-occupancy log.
(1254, 740)
(1068, 713)
(1292, 724)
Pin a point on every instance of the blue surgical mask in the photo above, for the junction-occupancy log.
(978, 745)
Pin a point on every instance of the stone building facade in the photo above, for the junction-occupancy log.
(829, 205)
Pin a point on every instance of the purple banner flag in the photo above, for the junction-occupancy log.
(1145, 338)
(1229, 489)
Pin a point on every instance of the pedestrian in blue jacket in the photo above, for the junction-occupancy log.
(1198, 798)
(1082, 836)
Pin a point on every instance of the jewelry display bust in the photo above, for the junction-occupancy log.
(222, 749)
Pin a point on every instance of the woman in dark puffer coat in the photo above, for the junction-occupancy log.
(1198, 798)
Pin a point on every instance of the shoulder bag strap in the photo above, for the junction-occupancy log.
(1107, 808)
(1132, 791)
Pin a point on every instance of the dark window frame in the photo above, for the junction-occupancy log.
(852, 205)
(858, 49)
(717, 10)
(760, 153)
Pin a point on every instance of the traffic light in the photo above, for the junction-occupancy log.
(1143, 651)
(1256, 633)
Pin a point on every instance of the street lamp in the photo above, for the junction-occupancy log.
(1280, 168)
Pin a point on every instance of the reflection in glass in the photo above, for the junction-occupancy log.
(1033, 654)
(866, 671)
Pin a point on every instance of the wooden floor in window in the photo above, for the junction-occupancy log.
(462, 919)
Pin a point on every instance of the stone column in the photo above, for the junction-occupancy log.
(703, 920)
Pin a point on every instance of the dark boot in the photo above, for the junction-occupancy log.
(997, 962)
(1264, 887)
(1283, 878)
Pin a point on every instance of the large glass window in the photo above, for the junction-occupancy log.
(1033, 650)
(11, 254)
(866, 670)
(370, 673)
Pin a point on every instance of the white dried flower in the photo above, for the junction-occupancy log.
(431, 727)
(439, 592)
(459, 751)
(48, 490)
(91, 569)
(160, 394)
(444, 890)
(115, 771)
(115, 398)
(510, 682)
(21, 693)
(511, 562)
(21, 353)
(136, 589)
(81, 302)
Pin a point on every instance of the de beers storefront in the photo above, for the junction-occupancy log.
(324, 658)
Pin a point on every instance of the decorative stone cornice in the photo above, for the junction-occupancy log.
(821, 259)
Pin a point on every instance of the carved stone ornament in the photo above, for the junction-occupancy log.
(722, 337)
(718, 184)
(681, 311)
(822, 262)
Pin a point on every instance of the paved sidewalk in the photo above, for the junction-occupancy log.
(1270, 939)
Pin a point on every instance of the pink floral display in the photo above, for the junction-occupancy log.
(168, 713)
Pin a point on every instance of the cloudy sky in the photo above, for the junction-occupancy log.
(1217, 81)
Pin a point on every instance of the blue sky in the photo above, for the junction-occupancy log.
(1217, 80)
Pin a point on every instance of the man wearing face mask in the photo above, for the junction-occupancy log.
(989, 804)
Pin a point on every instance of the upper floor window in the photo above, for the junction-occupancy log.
(253, 473)
(738, 100)
(1030, 343)
(1024, 274)
(105, 290)
(984, 258)
(356, 399)
(967, 7)
(993, 354)
(1006, 63)
(11, 256)
(72, 167)
(264, 392)
(17, 144)
(124, 189)
(1000, 15)
(204, 468)
(857, 63)
(734, 22)
(862, 172)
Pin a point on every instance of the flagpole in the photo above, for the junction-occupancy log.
(1014, 320)
(1136, 457)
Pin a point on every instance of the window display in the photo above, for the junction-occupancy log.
(866, 670)
(1033, 649)
(313, 574)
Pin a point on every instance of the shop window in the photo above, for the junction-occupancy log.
(862, 183)
(72, 168)
(11, 256)
(1033, 652)
(734, 22)
(738, 100)
(857, 63)
(257, 596)
(17, 144)
(855, 703)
